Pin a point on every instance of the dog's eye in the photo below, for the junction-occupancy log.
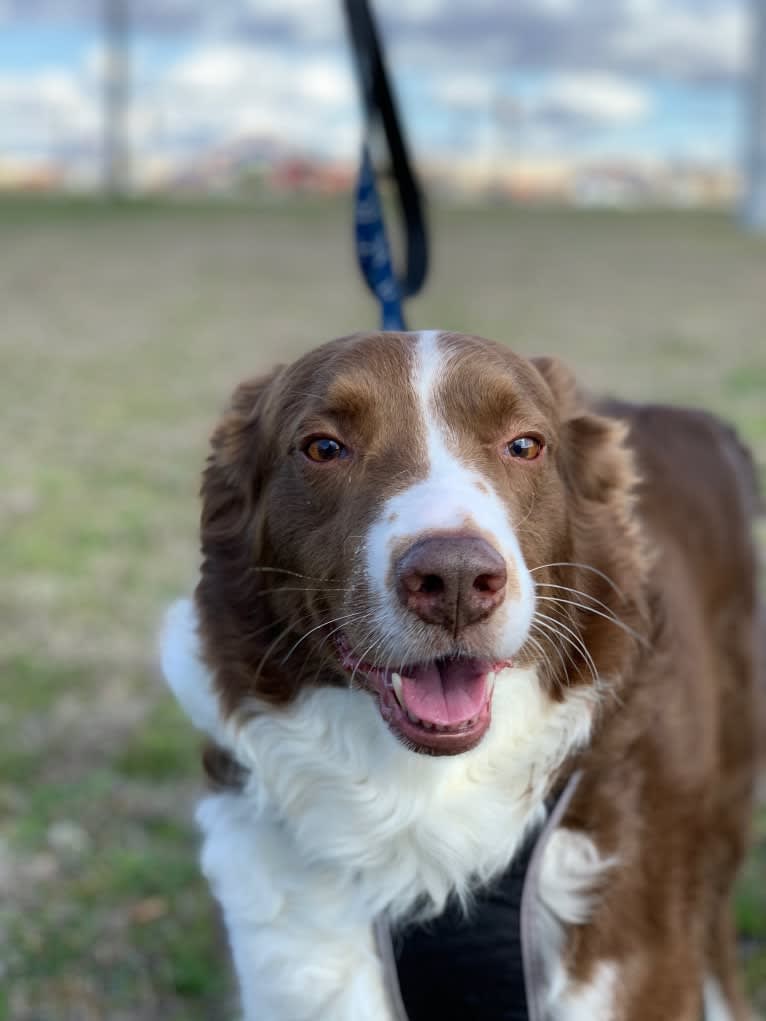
(525, 447)
(324, 448)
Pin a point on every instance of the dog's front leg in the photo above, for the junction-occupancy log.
(299, 951)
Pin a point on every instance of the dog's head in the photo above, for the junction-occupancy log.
(413, 515)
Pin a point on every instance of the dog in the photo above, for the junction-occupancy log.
(437, 582)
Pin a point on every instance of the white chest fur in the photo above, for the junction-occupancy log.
(339, 824)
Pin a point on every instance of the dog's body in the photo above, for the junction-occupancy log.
(396, 527)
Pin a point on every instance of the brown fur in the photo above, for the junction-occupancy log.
(669, 780)
(656, 500)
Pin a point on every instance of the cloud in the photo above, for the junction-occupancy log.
(227, 90)
(682, 41)
(281, 68)
(466, 90)
(559, 113)
(211, 96)
(690, 39)
(44, 113)
(596, 97)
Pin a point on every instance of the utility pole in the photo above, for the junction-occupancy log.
(116, 86)
(755, 170)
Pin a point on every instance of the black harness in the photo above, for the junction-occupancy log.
(477, 966)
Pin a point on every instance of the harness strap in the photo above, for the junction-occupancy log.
(382, 119)
(481, 967)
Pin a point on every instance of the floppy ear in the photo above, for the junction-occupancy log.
(606, 556)
(561, 382)
(234, 622)
(596, 464)
(599, 465)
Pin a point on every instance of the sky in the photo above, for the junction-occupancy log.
(489, 80)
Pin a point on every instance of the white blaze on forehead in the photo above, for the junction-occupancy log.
(451, 496)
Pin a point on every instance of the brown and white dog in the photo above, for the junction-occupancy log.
(436, 580)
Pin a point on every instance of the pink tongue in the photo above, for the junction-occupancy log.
(447, 693)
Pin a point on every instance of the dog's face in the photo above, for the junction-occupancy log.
(415, 514)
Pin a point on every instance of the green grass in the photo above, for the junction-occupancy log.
(160, 749)
(124, 327)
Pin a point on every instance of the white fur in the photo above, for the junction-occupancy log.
(572, 871)
(185, 672)
(716, 1007)
(339, 824)
(452, 495)
(589, 1001)
(571, 874)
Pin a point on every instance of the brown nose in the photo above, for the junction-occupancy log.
(451, 580)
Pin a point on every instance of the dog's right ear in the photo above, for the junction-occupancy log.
(231, 478)
(233, 619)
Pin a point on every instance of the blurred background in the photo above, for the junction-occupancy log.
(176, 214)
(628, 103)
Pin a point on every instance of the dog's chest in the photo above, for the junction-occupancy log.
(304, 944)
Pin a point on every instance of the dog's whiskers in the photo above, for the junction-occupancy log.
(548, 634)
(576, 592)
(584, 567)
(361, 659)
(290, 588)
(261, 569)
(544, 636)
(571, 636)
(545, 659)
(325, 623)
(607, 616)
(361, 618)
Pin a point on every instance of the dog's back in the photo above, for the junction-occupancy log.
(692, 725)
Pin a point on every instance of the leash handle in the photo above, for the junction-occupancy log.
(381, 115)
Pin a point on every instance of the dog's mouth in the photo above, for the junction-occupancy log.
(443, 707)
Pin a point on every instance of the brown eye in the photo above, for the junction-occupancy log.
(525, 447)
(323, 449)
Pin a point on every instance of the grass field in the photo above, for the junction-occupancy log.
(122, 332)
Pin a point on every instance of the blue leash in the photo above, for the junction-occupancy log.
(382, 120)
(373, 251)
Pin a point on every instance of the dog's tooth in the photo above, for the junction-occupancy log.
(396, 681)
(491, 678)
(412, 717)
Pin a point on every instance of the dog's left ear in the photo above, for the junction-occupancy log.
(598, 466)
(561, 382)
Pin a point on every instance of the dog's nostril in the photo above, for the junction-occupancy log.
(431, 584)
(489, 582)
(423, 584)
